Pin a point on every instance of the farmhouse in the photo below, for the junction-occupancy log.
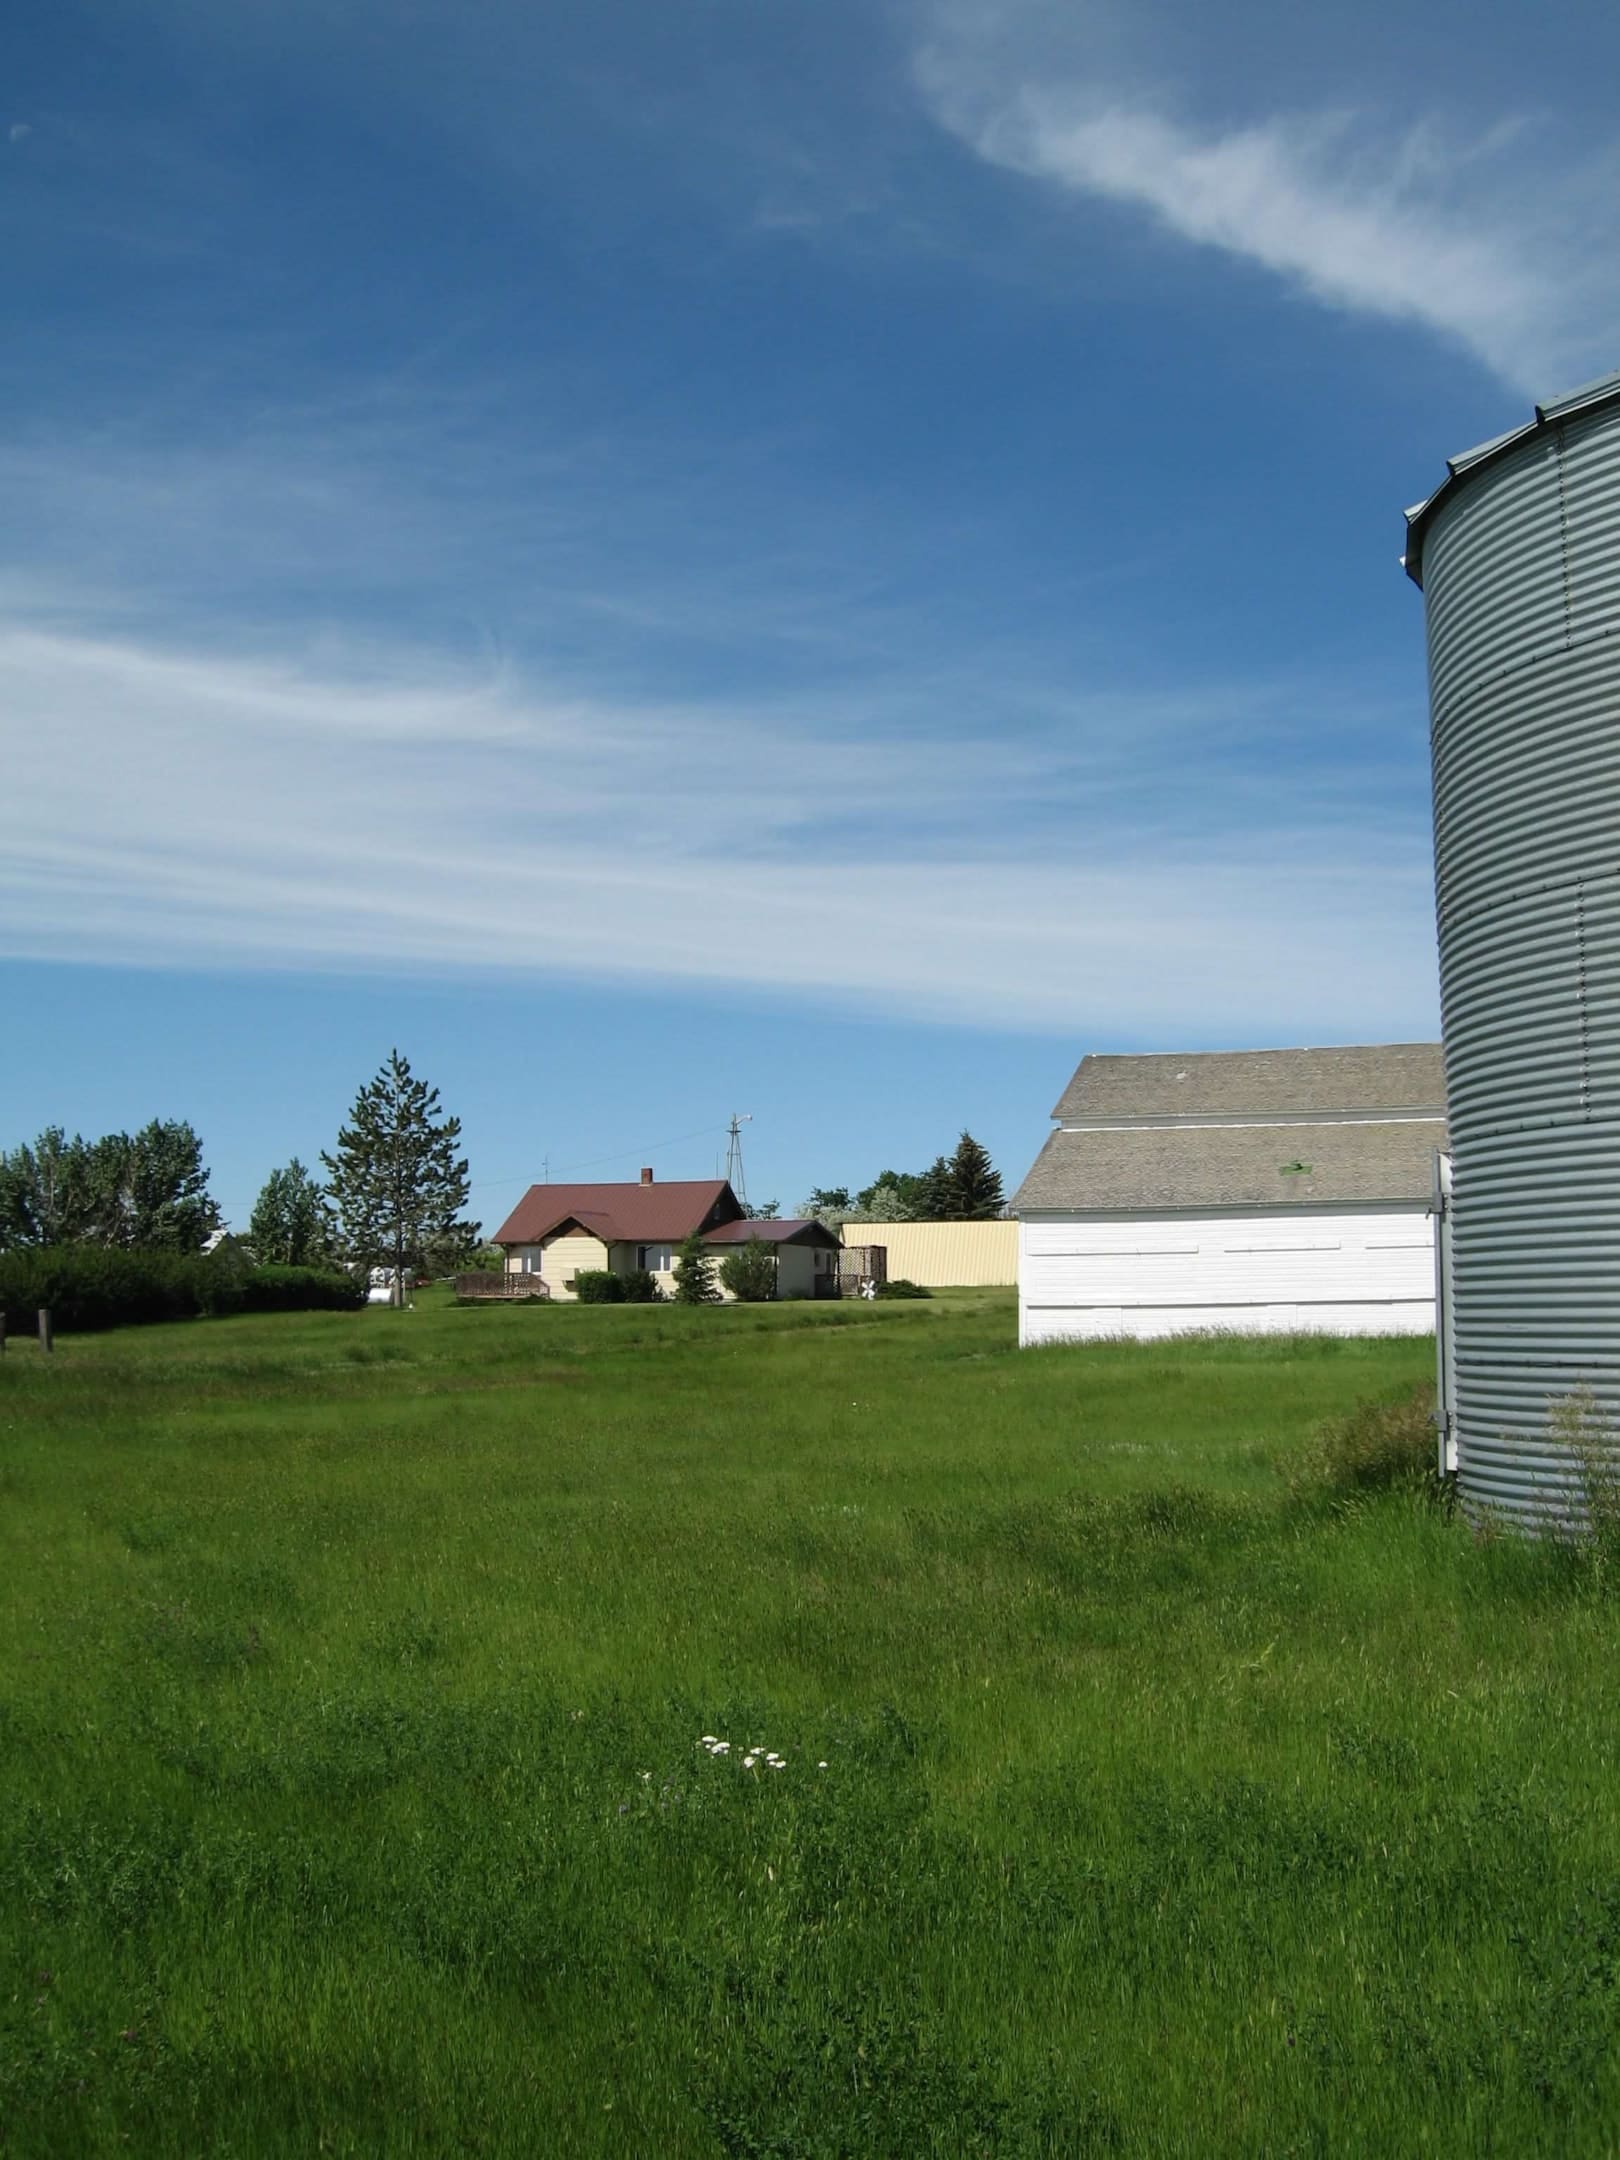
(560, 1231)
(1261, 1190)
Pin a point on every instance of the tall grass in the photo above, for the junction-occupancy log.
(353, 1795)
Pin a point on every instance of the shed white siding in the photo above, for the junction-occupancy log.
(1349, 1271)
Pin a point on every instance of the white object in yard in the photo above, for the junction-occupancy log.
(380, 1286)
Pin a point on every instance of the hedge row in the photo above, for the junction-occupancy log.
(601, 1286)
(90, 1286)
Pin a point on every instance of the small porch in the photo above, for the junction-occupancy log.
(507, 1287)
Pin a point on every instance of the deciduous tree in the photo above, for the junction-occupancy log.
(147, 1190)
(829, 1204)
(290, 1222)
(44, 1192)
(891, 1197)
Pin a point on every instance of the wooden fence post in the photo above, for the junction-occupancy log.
(47, 1339)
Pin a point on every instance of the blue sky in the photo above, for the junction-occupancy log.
(813, 559)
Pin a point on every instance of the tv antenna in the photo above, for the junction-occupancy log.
(734, 1168)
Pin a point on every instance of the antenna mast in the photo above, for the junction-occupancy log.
(734, 1168)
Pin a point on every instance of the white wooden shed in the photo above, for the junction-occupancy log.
(1261, 1190)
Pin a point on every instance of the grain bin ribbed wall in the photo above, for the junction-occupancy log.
(1519, 559)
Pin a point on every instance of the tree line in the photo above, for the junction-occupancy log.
(145, 1191)
(392, 1193)
(964, 1186)
(394, 1187)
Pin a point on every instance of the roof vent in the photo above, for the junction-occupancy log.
(646, 1177)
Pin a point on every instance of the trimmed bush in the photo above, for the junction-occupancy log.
(89, 1287)
(275, 1288)
(598, 1286)
(902, 1287)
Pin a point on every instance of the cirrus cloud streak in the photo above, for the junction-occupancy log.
(199, 811)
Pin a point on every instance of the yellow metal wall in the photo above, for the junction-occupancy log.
(944, 1255)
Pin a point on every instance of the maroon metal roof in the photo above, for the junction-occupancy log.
(621, 1214)
(805, 1231)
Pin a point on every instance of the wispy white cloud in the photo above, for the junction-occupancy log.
(194, 810)
(1479, 240)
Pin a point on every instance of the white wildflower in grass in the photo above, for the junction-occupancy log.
(749, 1761)
(821, 1766)
(780, 1763)
(707, 1740)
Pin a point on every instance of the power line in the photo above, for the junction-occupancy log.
(620, 1155)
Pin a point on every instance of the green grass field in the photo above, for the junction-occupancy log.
(354, 1669)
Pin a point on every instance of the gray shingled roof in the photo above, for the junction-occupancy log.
(1226, 1083)
(1232, 1166)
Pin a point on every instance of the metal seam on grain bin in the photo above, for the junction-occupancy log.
(1518, 555)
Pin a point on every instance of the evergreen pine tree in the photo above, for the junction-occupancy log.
(396, 1183)
(749, 1272)
(973, 1184)
(935, 1199)
(694, 1274)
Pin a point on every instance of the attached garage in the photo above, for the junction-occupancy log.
(1269, 1191)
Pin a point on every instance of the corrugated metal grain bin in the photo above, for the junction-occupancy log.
(1518, 556)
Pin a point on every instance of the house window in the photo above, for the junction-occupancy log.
(656, 1258)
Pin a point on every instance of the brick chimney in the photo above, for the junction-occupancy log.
(646, 1177)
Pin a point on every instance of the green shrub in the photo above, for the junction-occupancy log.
(598, 1286)
(902, 1286)
(1377, 1447)
(222, 1278)
(1590, 1530)
(641, 1287)
(89, 1287)
(749, 1272)
(275, 1288)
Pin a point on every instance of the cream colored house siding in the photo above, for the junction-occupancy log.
(796, 1271)
(944, 1255)
(523, 1260)
(1355, 1270)
(625, 1260)
(568, 1254)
